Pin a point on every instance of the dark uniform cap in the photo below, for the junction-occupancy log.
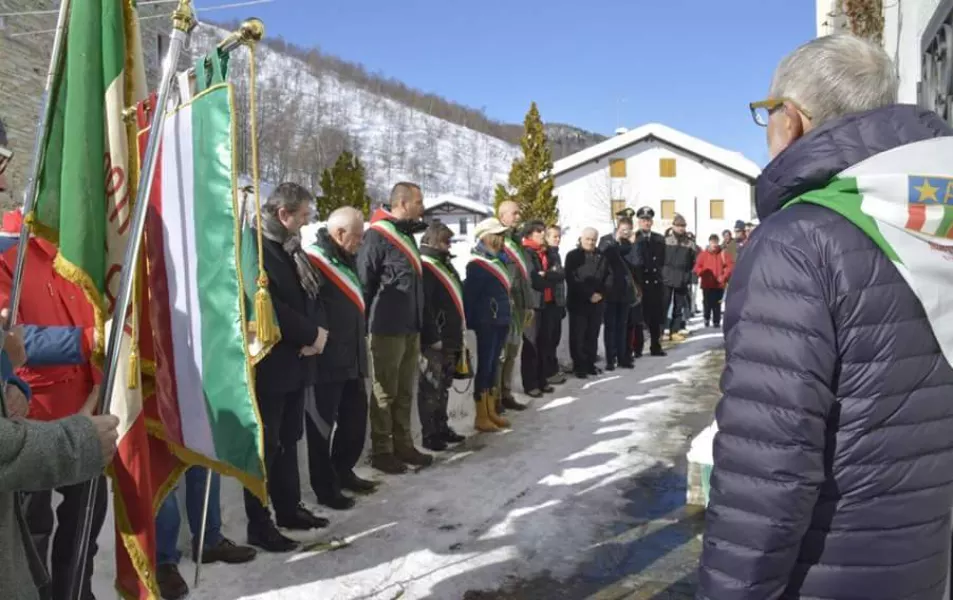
(626, 212)
(645, 212)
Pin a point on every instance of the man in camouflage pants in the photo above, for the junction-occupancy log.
(520, 295)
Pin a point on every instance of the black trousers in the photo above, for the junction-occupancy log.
(653, 313)
(336, 427)
(615, 331)
(69, 520)
(433, 389)
(552, 322)
(634, 336)
(584, 324)
(282, 416)
(536, 345)
(676, 299)
(711, 302)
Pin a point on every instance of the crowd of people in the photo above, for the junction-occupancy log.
(832, 469)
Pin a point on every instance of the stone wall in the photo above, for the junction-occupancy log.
(26, 41)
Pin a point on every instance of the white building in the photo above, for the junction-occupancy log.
(918, 35)
(655, 166)
(457, 213)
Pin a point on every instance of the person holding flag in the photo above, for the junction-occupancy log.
(336, 414)
(441, 338)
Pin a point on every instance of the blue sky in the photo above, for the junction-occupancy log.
(691, 64)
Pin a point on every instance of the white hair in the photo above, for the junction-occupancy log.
(345, 217)
(836, 75)
(590, 230)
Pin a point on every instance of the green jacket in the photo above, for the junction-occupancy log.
(36, 456)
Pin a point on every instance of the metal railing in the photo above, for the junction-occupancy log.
(936, 78)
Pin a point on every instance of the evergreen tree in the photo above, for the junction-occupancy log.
(343, 185)
(531, 177)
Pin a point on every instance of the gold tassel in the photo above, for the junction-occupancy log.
(133, 376)
(268, 333)
(463, 369)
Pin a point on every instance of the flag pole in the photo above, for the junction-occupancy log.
(183, 21)
(43, 118)
(201, 550)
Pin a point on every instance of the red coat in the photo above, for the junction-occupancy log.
(713, 268)
(58, 330)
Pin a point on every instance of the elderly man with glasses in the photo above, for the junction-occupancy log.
(833, 463)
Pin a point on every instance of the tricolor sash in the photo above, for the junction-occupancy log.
(403, 242)
(516, 255)
(496, 268)
(450, 283)
(343, 276)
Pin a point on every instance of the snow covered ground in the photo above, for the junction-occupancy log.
(503, 507)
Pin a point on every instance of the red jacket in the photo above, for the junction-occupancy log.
(58, 327)
(713, 268)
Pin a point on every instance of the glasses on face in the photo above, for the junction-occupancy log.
(762, 110)
(6, 155)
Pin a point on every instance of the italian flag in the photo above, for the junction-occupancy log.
(86, 188)
(204, 381)
(903, 200)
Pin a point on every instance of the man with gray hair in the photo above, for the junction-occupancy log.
(833, 474)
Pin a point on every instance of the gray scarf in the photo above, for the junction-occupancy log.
(272, 229)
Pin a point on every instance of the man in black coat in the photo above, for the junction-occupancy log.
(677, 274)
(588, 280)
(616, 248)
(391, 272)
(441, 339)
(287, 373)
(650, 251)
(833, 461)
(340, 398)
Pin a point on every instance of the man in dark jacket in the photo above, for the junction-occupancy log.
(677, 275)
(555, 310)
(616, 248)
(650, 257)
(589, 280)
(521, 294)
(441, 339)
(536, 338)
(340, 398)
(833, 472)
(392, 274)
(287, 374)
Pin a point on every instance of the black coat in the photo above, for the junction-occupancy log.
(556, 266)
(650, 258)
(620, 266)
(345, 355)
(551, 277)
(587, 273)
(393, 288)
(442, 321)
(833, 471)
(283, 371)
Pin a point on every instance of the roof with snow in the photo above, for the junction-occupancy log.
(446, 202)
(702, 150)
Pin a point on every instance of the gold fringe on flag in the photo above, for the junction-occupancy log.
(267, 330)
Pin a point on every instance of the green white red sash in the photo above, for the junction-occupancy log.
(496, 268)
(343, 276)
(403, 242)
(450, 283)
(516, 255)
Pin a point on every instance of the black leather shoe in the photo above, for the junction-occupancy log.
(267, 537)
(388, 463)
(412, 456)
(510, 402)
(547, 389)
(171, 584)
(336, 501)
(452, 437)
(435, 444)
(227, 551)
(353, 483)
(301, 520)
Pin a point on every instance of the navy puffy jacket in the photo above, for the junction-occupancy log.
(833, 470)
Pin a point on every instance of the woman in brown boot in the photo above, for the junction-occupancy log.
(486, 299)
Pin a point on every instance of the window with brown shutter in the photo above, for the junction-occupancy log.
(716, 209)
(666, 167)
(617, 167)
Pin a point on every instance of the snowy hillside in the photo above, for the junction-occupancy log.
(307, 119)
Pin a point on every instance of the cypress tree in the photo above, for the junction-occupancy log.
(343, 184)
(531, 176)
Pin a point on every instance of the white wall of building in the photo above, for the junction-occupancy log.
(904, 24)
(585, 192)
